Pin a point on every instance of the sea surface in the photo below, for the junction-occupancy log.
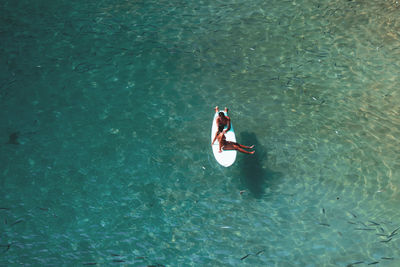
(105, 120)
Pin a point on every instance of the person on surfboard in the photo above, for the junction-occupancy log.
(229, 145)
(223, 120)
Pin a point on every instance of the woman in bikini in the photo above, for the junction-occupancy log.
(229, 145)
(223, 120)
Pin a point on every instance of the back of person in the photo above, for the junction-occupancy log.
(223, 120)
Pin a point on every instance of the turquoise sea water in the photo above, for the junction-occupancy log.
(106, 110)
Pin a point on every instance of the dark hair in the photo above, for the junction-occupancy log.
(221, 114)
(220, 128)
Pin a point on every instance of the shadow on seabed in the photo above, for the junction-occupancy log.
(254, 176)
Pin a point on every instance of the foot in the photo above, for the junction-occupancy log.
(252, 152)
(252, 146)
(216, 108)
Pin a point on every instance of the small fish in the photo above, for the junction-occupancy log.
(44, 209)
(242, 258)
(364, 229)
(84, 67)
(16, 222)
(90, 263)
(261, 251)
(391, 235)
(372, 263)
(4, 209)
(382, 235)
(386, 241)
(323, 211)
(387, 258)
(351, 222)
(118, 261)
(374, 223)
(242, 191)
(355, 216)
(395, 231)
(355, 263)
(324, 224)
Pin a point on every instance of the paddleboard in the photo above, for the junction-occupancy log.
(227, 157)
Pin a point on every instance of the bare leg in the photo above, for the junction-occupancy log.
(243, 146)
(216, 108)
(238, 148)
(226, 110)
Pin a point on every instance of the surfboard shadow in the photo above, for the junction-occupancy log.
(255, 176)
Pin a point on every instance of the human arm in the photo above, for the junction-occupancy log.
(220, 147)
(228, 123)
(216, 135)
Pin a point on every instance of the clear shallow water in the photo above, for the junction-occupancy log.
(111, 103)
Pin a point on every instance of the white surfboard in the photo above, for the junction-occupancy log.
(227, 157)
